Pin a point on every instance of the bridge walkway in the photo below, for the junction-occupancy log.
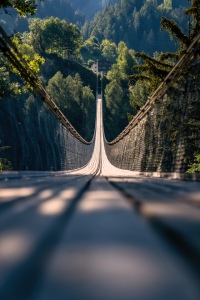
(98, 233)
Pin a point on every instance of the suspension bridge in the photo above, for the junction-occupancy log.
(105, 221)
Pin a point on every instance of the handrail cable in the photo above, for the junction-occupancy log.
(161, 91)
(29, 76)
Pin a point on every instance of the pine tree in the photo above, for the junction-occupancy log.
(23, 7)
(154, 70)
(193, 12)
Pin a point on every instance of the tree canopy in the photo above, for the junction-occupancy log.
(76, 101)
(53, 35)
(154, 69)
(137, 23)
(23, 7)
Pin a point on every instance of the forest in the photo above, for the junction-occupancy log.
(54, 60)
(61, 42)
(90, 7)
(137, 23)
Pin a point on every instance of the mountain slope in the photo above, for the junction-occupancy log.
(136, 23)
(90, 7)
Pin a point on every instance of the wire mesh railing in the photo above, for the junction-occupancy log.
(167, 138)
(162, 137)
(12, 54)
(39, 135)
(177, 71)
(37, 139)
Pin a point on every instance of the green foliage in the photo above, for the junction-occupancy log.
(130, 117)
(93, 50)
(7, 87)
(55, 36)
(193, 11)
(154, 70)
(195, 166)
(113, 99)
(35, 38)
(90, 7)
(137, 23)
(117, 94)
(122, 69)
(23, 7)
(109, 50)
(61, 9)
(55, 63)
(7, 69)
(166, 5)
(139, 94)
(137, 99)
(117, 104)
(26, 50)
(33, 59)
(125, 60)
(90, 62)
(5, 165)
(93, 46)
(75, 101)
(115, 74)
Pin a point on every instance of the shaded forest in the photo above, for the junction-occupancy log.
(60, 45)
(137, 23)
(61, 9)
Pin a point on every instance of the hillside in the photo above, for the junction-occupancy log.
(61, 9)
(76, 11)
(137, 23)
(55, 63)
(90, 7)
(80, 110)
(176, 3)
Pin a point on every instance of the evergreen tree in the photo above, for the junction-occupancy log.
(52, 31)
(85, 30)
(57, 36)
(125, 59)
(36, 35)
(151, 40)
(75, 101)
(109, 50)
(71, 40)
(113, 98)
(154, 70)
(23, 7)
(166, 5)
(128, 20)
(92, 45)
(117, 104)
(115, 74)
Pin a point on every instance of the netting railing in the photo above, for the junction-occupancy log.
(39, 135)
(37, 139)
(163, 136)
(167, 138)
